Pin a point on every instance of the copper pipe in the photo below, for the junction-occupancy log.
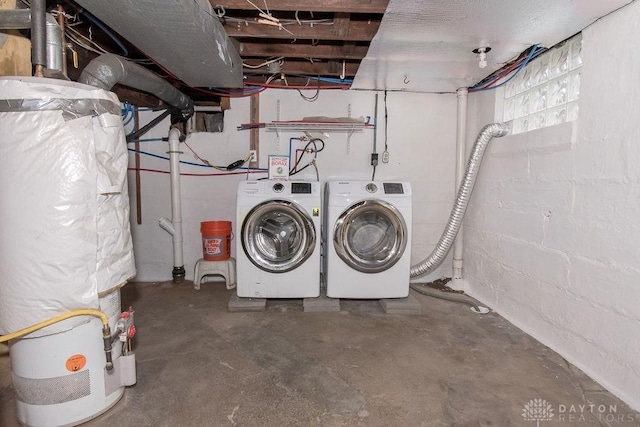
(64, 49)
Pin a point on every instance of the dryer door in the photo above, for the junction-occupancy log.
(370, 236)
(278, 236)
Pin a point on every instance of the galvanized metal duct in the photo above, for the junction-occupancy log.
(16, 19)
(107, 70)
(495, 130)
(184, 36)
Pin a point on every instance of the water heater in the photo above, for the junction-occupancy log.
(66, 246)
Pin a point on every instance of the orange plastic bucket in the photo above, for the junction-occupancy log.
(216, 240)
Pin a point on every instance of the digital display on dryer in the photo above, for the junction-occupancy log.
(393, 188)
(300, 188)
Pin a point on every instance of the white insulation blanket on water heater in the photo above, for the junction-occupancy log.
(64, 202)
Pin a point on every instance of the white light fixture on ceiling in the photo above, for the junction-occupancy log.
(481, 53)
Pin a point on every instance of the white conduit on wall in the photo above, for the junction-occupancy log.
(174, 227)
(461, 140)
(465, 190)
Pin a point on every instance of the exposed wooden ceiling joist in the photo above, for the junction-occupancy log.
(318, 68)
(350, 6)
(354, 31)
(333, 31)
(321, 51)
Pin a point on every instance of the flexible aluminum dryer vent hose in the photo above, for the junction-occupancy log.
(465, 190)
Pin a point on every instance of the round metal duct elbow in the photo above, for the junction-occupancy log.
(463, 196)
(108, 69)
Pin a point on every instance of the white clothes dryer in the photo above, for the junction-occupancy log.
(278, 255)
(367, 239)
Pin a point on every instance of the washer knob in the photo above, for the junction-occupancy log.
(371, 187)
(278, 188)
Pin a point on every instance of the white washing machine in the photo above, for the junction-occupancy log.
(367, 239)
(278, 255)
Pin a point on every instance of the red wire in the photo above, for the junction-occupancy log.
(504, 73)
(198, 174)
(228, 95)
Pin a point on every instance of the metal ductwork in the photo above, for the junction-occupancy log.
(107, 70)
(429, 264)
(184, 36)
(47, 44)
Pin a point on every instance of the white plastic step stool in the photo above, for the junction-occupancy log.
(226, 268)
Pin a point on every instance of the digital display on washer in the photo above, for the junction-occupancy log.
(392, 188)
(300, 188)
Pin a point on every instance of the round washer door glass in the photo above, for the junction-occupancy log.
(278, 236)
(370, 236)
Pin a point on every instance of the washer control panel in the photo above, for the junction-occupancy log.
(300, 188)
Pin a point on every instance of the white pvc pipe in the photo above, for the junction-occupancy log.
(175, 226)
(461, 140)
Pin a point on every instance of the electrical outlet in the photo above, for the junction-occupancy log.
(254, 155)
(385, 157)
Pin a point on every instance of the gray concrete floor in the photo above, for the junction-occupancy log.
(199, 365)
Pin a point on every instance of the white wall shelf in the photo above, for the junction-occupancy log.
(299, 125)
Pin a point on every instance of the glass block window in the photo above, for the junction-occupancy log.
(546, 91)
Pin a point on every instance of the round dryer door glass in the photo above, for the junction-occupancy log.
(370, 236)
(278, 236)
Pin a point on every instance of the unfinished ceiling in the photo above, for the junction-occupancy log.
(326, 38)
(427, 46)
(412, 45)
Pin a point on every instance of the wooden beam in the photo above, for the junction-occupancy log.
(136, 97)
(351, 6)
(324, 68)
(292, 81)
(320, 51)
(136, 146)
(356, 31)
(349, 49)
(341, 25)
(254, 136)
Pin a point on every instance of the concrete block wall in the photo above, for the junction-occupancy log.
(552, 232)
(421, 143)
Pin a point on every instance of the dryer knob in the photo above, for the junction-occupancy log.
(278, 188)
(371, 187)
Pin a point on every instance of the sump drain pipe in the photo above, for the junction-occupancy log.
(465, 190)
(174, 227)
(107, 70)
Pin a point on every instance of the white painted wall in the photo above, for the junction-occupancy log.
(421, 140)
(551, 235)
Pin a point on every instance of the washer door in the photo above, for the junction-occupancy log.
(370, 236)
(278, 236)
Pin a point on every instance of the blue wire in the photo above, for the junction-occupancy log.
(107, 31)
(534, 53)
(186, 163)
(334, 80)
